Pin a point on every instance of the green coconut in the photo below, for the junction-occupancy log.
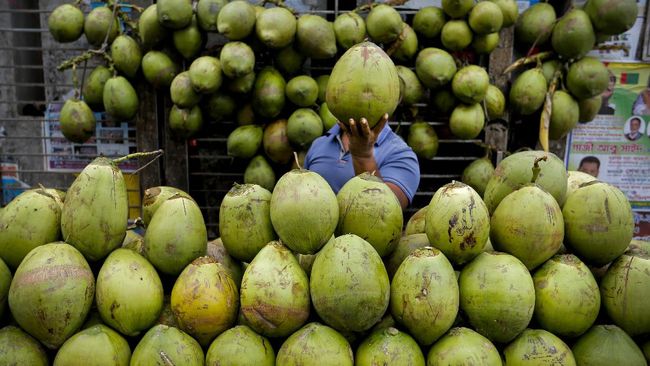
(205, 74)
(99, 22)
(303, 127)
(245, 115)
(389, 346)
(495, 102)
(515, 171)
(150, 30)
(509, 10)
(304, 211)
(322, 82)
(456, 35)
(217, 251)
(349, 29)
(369, 209)
(276, 27)
(373, 92)
(207, 13)
(625, 290)
(598, 222)
(435, 67)
(589, 108)
(185, 122)
(565, 113)
(384, 24)
(182, 92)
(218, 106)
(315, 37)
(259, 171)
(93, 88)
(415, 224)
(607, 345)
(464, 346)
(129, 307)
(133, 241)
(408, 45)
(485, 17)
(485, 43)
(236, 20)
(30, 220)
(549, 68)
(244, 141)
(517, 227)
(276, 143)
(575, 179)
(315, 344)
(269, 92)
(243, 84)
(244, 221)
(573, 35)
(411, 89)
(289, 61)
(159, 69)
(498, 296)
(94, 346)
(240, 345)
(457, 222)
(457, 8)
(477, 174)
(175, 14)
(66, 23)
(326, 117)
(535, 25)
(168, 251)
(422, 138)
(528, 91)
(467, 121)
(283, 309)
(51, 293)
(126, 55)
(587, 78)
(205, 300)
(428, 21)
(18, 348)
(154, 197)
(349, 285)
(165, 345)
(612, 17)
(406, 245)
(95, 211)
(189, 40)
(120, 99)
(237, 59)
(567, 299)
(302, 91)
(444, 101)
(538, 347)
(5, 283)
(424, 295)
(470, 84)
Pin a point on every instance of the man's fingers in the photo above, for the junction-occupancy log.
(365, 127)
(354, 128)
(343, 127)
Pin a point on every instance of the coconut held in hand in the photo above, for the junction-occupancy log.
(363, 83)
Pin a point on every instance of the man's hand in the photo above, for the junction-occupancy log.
(361, 137)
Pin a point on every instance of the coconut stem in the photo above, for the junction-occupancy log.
(528, 60)
(545, 119)
(295, 156)
(157, 154)
(537, 169)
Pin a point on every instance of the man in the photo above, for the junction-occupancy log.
(642, 103)
(590, 165)
(347, 151)
(608, 107)
(635, 125)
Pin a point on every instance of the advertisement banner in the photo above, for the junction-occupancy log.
(615, 146)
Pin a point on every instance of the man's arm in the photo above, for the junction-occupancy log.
(361, 146)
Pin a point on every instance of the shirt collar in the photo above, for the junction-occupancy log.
(335, 131)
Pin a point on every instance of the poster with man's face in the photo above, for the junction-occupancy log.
(615, 146)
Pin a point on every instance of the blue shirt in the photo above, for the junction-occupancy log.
(396, 161)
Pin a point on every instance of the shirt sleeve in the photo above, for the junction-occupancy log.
(402, 168)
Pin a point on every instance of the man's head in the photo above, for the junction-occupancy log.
(589, 165)
(635, 124)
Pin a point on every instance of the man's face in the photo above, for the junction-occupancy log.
(589, 168)
(635, 124)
